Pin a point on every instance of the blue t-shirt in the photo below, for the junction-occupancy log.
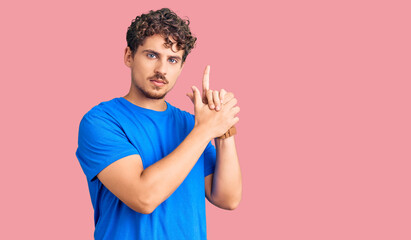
(116, 129)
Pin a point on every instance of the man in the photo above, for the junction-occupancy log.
(149, 165)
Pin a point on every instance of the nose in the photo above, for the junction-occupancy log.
(161, 67)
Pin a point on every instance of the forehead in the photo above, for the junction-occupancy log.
(158, 44)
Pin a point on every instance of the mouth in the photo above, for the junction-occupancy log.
(158, 82)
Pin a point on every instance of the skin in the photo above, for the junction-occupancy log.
(144, 189)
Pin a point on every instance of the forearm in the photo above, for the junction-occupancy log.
(227, 183)
(161, 179)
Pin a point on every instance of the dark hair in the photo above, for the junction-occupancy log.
(164, 22)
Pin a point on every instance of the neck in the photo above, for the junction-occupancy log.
(144, 102)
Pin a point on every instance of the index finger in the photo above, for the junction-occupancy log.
(206, 80)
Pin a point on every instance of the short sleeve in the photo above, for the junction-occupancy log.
(101, 141)
(209, 159)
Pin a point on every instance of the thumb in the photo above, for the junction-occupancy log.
(197, 96)
(191, 96)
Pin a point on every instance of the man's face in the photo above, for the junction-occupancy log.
(154, 68)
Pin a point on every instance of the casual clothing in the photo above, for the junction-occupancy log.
(116, 129)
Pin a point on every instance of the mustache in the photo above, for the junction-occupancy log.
(159, 76)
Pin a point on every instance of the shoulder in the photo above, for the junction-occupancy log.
(104, 108)
(101, 114)
(107, 108)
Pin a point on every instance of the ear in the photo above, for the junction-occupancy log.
(128, 58)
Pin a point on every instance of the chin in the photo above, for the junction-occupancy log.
(154, 94)
(157, 97)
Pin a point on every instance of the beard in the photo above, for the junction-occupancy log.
(152, 94)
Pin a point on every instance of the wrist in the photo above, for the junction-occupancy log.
(223, 145)
(231, 132)
(221, 142)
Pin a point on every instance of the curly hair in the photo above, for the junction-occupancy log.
(164, 22)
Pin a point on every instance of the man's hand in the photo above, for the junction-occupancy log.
(214, 99)
(215, 123)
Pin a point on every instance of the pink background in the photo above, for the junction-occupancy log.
(324, 132)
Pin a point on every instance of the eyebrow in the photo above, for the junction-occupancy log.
(156, 53)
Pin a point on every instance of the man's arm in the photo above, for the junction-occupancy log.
(224, 187)
(143, 190)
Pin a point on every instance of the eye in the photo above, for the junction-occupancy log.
(150, 55)
(173, 60)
